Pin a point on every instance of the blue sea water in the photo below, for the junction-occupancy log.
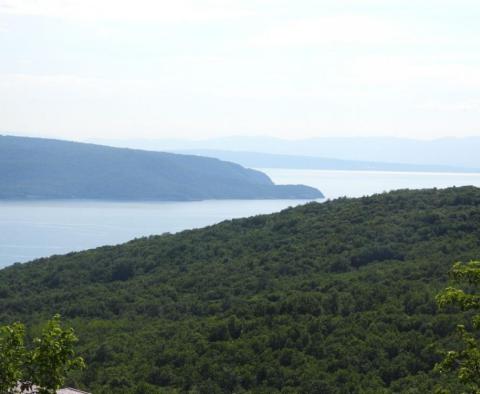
(29, 230)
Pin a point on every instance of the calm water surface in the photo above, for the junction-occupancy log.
(35, 229)
(364, 183)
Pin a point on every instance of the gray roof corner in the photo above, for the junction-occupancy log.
(66, 390)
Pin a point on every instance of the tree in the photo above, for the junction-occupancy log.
(12, 356)
(466, 361)
(45, 365)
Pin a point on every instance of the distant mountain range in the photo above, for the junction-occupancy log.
(35, 168)
(460, 153)
(269, 160)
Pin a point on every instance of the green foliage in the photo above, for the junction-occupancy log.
(466, 360)
(53, 356)
(336, 297)
(12, 356)
(45, 365)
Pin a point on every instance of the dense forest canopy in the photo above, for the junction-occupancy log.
(37, 168)
(337, 297)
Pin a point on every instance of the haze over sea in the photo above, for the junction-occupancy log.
(30, 230)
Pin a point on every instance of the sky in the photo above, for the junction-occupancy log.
(195, 69)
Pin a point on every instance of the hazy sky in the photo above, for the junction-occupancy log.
(203, 68)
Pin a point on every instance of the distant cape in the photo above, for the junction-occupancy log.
(36, 168)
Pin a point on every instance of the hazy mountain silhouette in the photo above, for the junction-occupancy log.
(452, 152)
(34, 168)
(270, 160)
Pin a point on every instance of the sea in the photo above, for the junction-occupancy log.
(34, 229)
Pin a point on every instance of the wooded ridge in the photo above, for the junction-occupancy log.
(335, 297)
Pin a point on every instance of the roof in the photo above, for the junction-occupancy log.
(67, 390)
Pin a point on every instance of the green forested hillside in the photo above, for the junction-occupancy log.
(323, 298)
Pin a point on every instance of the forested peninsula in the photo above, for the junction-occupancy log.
(37, 168)
(334, 297)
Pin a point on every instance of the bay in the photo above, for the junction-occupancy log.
(29, 230)
(336, 184)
